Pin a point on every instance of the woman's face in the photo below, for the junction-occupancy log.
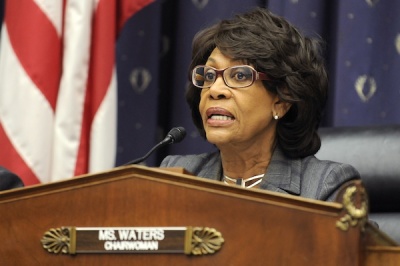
(234, 116)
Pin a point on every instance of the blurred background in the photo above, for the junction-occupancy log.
(137, 52)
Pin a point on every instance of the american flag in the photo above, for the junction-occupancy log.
(58, 86)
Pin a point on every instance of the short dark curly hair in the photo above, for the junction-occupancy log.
(272, 45)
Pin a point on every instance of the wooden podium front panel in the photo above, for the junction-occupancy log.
(259, 228)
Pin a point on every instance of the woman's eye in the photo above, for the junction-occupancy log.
(209, 76)
(241, 75)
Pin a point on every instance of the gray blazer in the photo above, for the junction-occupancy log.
(307, 177)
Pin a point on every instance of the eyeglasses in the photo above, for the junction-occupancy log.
(234, 77)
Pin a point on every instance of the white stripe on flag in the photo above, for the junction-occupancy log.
(103, 138)
(76, 57)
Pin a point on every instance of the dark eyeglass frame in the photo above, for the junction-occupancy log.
(220, 72)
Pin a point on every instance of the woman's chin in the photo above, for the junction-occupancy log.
(218, 139)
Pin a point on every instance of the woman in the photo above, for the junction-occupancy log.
(258, 91)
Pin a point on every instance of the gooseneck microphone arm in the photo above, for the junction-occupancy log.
(175, 135)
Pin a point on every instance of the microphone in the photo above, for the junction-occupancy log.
(175, 135)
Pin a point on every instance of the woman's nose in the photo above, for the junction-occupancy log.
(219, 90)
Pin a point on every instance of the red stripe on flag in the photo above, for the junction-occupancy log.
(41, 56)
(12, 160)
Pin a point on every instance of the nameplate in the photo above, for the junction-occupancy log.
(185, 240)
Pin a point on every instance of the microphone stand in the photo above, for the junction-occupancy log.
(175, 135)
(141, 159)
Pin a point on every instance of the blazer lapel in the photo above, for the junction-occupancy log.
(283, 174)
(211, 166)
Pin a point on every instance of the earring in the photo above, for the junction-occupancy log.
(276, 117)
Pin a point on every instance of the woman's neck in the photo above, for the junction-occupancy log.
(246, 163)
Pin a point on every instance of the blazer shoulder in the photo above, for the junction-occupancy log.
(330, 176)
(330, 168)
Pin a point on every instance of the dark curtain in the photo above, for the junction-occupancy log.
(362, 52)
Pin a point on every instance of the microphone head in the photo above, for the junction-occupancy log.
(176, 134)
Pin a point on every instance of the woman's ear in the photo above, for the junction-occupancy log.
(280, 108)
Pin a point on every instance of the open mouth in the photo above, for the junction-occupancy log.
(219, 114)
(220, 117)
